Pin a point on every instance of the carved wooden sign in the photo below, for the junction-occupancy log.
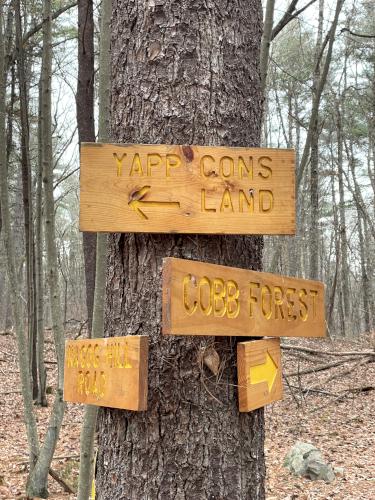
(259, 373)
(186, 189)
(208, 299)
(107, 372)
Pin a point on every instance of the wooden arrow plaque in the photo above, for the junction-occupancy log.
(208, 299)
(259, 373)
(107, 372)
(186, 189)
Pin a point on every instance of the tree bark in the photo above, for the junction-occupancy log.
(266, 43)
(314, 231)
(370, 270)
(39, 284)
(345, 274)
(87, 443)
(37, 481)
(14, 288)
(86, 127)
(182, 73)
(366, 290)
(27, 197)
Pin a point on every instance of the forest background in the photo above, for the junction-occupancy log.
(319, 87)
(336, 229)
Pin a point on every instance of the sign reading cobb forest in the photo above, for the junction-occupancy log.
(259, 373)
(186, 189)
(107, 372)
(208, 299)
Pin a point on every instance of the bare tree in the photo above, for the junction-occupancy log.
(37, 481)
(15, 292)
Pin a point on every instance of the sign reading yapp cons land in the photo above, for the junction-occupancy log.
(186, 189)
(208, 299)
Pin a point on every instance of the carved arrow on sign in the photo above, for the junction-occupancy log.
(137, 202)
(266, 372)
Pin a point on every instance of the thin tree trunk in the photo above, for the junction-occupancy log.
(342, 225)
(37, 482)
(86, 471)
(295, 243)
(369, 256)
(15, 294)
(330, 38)
(356, 190)
(27, 197)
(7, 48)
(366, 291)
(333, 288)
(86, 127)
(193, 84)
(265, 44)
(50, 236)
(39, 286)
(314, 231)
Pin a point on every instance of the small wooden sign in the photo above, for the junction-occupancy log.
(208, 299)
(186, 189)
(107, 372)
(259, 373)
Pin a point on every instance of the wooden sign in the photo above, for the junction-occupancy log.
(186, 189)
(208, 299)
(259, 373)
(107, 372)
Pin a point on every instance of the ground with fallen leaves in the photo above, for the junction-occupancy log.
(333, 409)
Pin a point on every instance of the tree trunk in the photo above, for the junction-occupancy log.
(345, 274)
(27, 197)
(295, 243)
(314, 231)
(39, 285)
(14, 287)
(182, 73)
(87, 442)
(86, 127)
(365, 285)
(37, 481)
(266, 42)
(369, 255)
(318, 90)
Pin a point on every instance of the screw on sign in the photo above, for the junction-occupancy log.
(186, 189)
(209, 299)
(108, 372)
(259, 373)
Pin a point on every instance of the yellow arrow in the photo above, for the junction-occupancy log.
(137, 201)
(265, 372)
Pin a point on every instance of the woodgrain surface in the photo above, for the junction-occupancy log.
(209, 299)
(107, 372)
(259, 373)
(186, 189)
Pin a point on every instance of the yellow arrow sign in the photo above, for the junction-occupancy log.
(137, 201)
(258, 361)
(266, 372)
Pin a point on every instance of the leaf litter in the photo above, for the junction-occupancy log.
(333, 409)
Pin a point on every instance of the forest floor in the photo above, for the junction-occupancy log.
(338, 420)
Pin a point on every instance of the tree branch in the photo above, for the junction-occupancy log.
(362, 35)
(12, 56)
(54, 16)
(289, 16)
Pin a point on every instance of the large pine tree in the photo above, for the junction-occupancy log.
(183, 72)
